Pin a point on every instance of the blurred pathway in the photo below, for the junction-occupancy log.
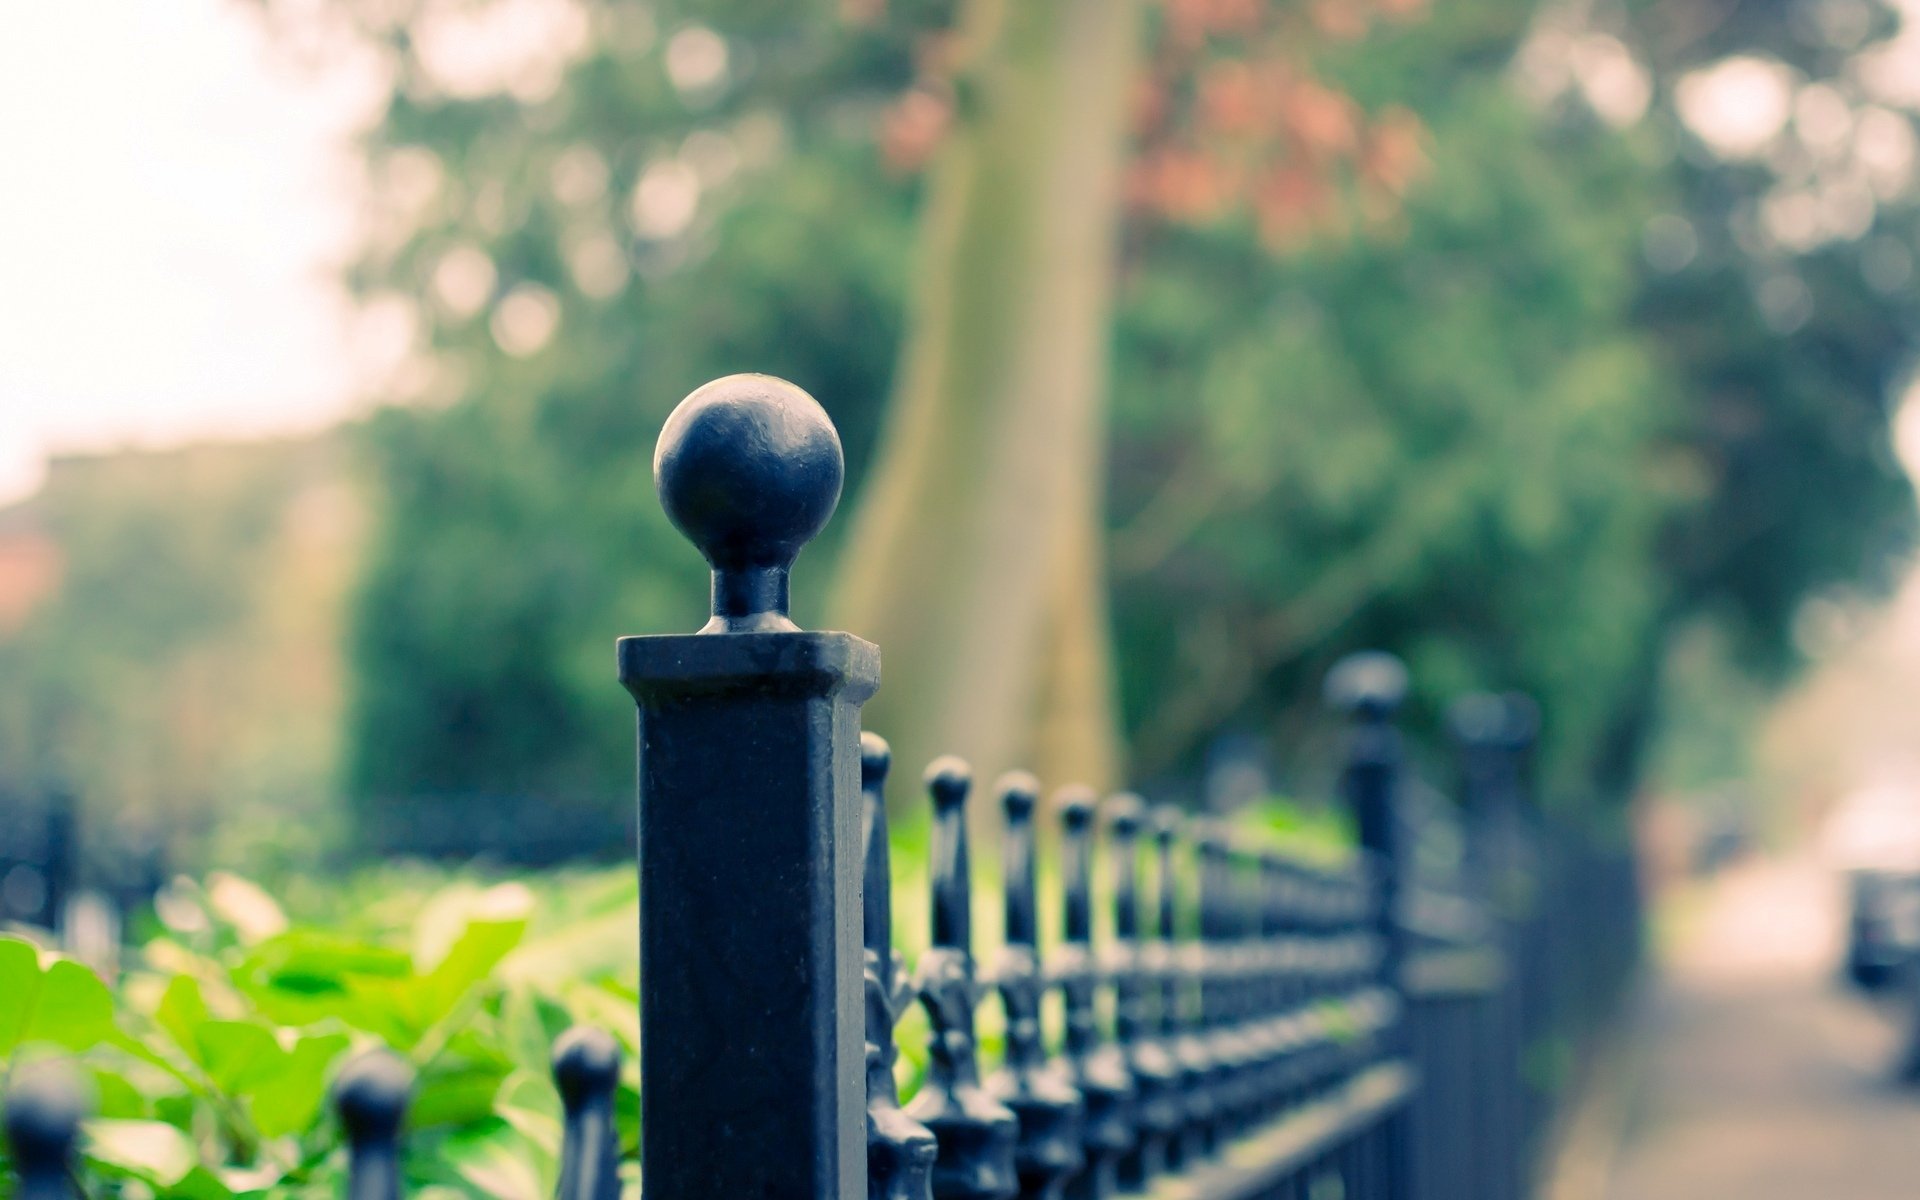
(1754, 1076)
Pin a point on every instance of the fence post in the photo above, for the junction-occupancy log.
(1494, 733)
(44, 1104)
(1370, 687)
(586, 1072)
(975, 1132)
(1178, 973)
(1098, 1068)
(900, 1150)
(751, 1018)
(1156, 1077)
(371, 1095)
(1223, 1044)
(1030, 1082)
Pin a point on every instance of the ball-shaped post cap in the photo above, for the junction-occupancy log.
(876, 757)
(1370, 684)
(1168, 820)
(1019, 791)
(1523, 719)
(1124, 812)
(1210, 838)
(586, 1064)
(371, 1095)
(948, 779)
(1075, 803)
(1478, 720)
(45, 1104)
(749, 467)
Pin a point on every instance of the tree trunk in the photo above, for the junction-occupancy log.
(977, 558)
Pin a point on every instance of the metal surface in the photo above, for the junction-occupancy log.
(44, 1102)
(1030, 1082)
(751, 1021)
(900, 1150)
(976, 1132)
(371, 1096)
(586, 1073)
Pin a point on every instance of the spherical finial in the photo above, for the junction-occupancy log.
(749, 468)
(948, 778)
(1018, 792)
(1210, 838)
(1523, 719)
(44, 1106)
(586, 1064)
(371, 1095)
(1075, 802)
(1167, 822)
(1124, 811)
(1478, 719)
(1369, 684)
(875, 758)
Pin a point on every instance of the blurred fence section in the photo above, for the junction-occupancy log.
(1519, 963)
(80, 886)
(39, 855)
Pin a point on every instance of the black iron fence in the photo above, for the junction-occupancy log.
(39, 854)
(78, 885)
(1189, 1012)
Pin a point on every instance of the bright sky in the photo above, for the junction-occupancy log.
(176, 197)
(173, 199)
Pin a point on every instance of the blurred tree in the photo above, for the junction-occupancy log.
(1775, 287)
(1446, 378)
(582, 212)
(1439, 434)
(977, 558)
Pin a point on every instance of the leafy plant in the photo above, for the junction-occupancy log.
(210, 1061)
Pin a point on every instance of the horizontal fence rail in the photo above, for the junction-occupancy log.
(1188, 1012)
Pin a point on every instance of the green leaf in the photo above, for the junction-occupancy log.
(181, 1012)
(19, 985)
(494, 1163)
(479, 948)
(47, 998)
(310, 960)
(291, 1101)
(458, 1095)
(523, 1033)
(609, 1006)
(599, 944)
(239, 1054)
(531, 1105)
(468, 962)
(116, 1096)
(305, 976)
(446, 916)
(199, 1184)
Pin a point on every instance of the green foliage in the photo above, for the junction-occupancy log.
(1487, 430)
(1440, 439)
(537, 481)
(210, 1062)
